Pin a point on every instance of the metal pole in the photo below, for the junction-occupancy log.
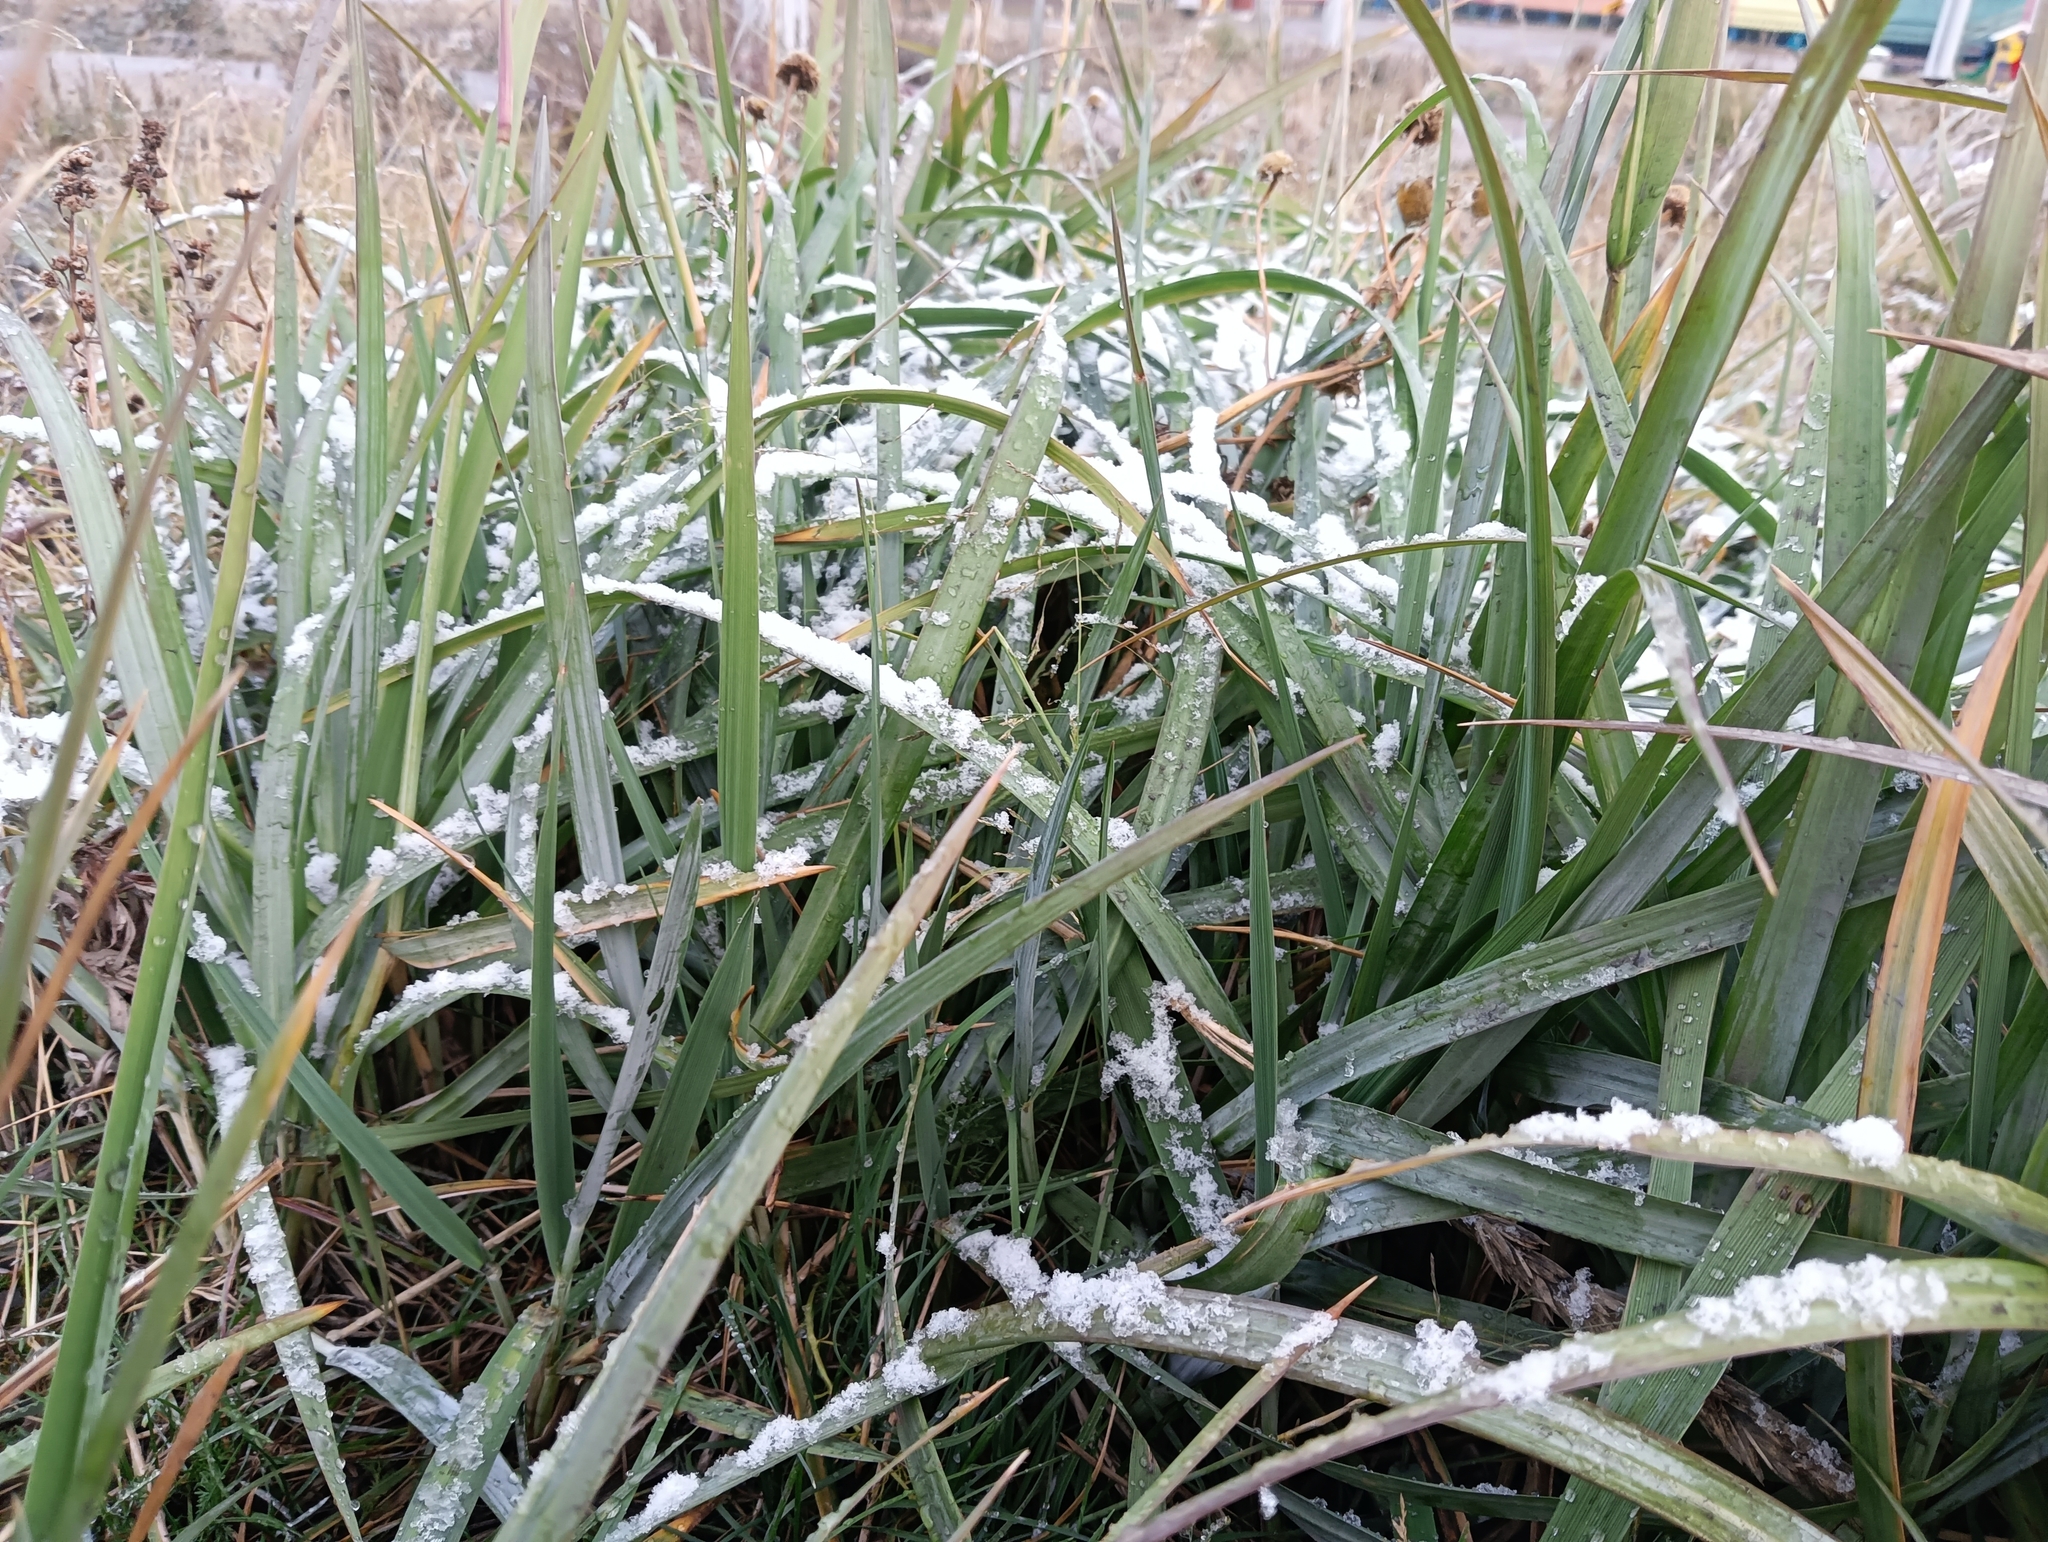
(1948, 41)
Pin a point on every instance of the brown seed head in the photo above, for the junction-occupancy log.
(1280, 489)
(1274, 165)
(153, 135)
(1427, 129)
(756, 108)
(1481, 205)
(75, 190)
(1415, 200)
(799, 72)
(1676, 203)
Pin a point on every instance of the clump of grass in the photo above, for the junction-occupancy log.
(800, 803)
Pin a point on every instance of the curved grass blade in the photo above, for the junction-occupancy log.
(464, 1456)
(1812, 1305)
(190, 1366)
(95, 1452)
(1728, 281)
(559, 1497)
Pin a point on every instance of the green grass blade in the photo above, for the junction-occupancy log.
(118, 1176)
(411, 1389)
(101, 1439)
(461, 1466)
(558, 1498)
(554, 1149)
(1728, 280)
(580, 705)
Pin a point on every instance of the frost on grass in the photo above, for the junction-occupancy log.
(1878, 1295)
(1442, 1356)
(1386, 746)
(1153, 1070)
(904, 1376)
(1868, 1142)
(1294, 1146)
(425, 996)
(209, 947)
(1611, 1131)
(321, 870)
(270, 1265)
(1314, 1329)
(1121, 1303)
(1533, 1377)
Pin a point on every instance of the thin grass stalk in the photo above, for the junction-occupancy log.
(210, 1200)
(1533, 757)
(739, 639)
(117, 1177)
(370, 473)
(554, 1149)
(556, 1501)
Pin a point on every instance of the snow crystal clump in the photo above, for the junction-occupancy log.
(207, 947)
(1386, 746)
(1868, 1142)
(1125, 1301)
(321, 870)
(947, 1322)
(1877, 1294)
(1578, 1301)
(671, 1496)
(779, 866)
(908, 1376)
(1442, 1355)
(1532, 1378)
(1314, 1329)
(28, 755)
(1293, 1147)
(1611, 1131)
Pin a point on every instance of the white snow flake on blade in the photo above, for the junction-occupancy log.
(1119, 1303)
(904, 1376)
(1533, 1377)
(1611, 1131)
(1153, 1070)
(1868, 1142)
(270, 1260)
(1881, 1296)
(1443, 1355)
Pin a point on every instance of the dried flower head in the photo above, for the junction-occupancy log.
(75, 191)
(1274, 165)
(799, 72)
(1280, 489)
(1427, 129)
(1415, 199)
(244, 196)
(1676, 203)
(144, 170)
(756, 108)
(1481, 206)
